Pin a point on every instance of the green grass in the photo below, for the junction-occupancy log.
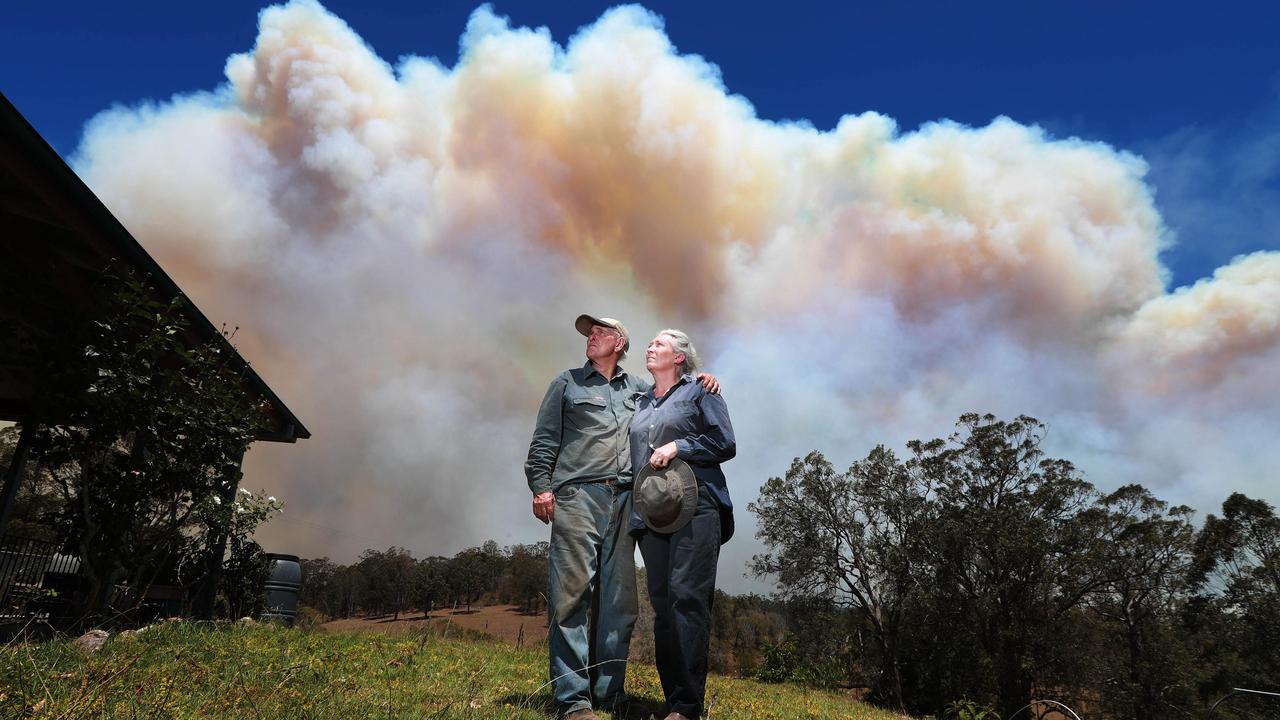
(181, 670)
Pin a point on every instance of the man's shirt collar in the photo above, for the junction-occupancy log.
(619, 372)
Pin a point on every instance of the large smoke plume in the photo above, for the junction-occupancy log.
(405, 249)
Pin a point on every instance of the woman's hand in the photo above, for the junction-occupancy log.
(663, 456)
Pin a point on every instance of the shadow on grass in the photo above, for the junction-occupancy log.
(640, 708)
(636, 708)
(542, 703)
(526, 613)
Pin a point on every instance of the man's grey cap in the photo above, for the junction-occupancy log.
(666, 499)
(584, 324)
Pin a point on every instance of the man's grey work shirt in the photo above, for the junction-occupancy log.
(582, 428)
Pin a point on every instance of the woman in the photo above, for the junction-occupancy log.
(678, 418)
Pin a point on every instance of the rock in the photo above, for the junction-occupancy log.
(91, 641)
(247, 621)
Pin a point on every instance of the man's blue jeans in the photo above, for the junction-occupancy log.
(593, 594)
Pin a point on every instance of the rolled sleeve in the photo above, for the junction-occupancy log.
(544, 449)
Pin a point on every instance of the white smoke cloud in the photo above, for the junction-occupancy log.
(406, 248)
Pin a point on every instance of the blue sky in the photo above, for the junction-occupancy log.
(1195, 89)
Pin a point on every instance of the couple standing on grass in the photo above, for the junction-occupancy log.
(616, 460)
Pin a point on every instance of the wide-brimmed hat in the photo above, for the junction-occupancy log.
(666, 499)
(584, 324)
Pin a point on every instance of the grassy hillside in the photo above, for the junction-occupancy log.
(183, 670)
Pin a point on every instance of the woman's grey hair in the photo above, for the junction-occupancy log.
(682, 345)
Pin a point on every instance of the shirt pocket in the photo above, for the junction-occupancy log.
(588, 411)
(681, 419)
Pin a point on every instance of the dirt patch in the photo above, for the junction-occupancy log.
(505, 622)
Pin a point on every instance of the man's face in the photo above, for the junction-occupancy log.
(603, 342)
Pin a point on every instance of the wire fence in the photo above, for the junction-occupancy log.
(1246, 704)
(31, 571)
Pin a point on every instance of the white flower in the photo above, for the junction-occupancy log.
(272, 498)
(217, 500)
(246, 492)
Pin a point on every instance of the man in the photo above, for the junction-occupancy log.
(579, 469)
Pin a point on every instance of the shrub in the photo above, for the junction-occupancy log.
(309, 618)
(780, 662)
(967, 709)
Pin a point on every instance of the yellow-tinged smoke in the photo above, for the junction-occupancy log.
(406, 249)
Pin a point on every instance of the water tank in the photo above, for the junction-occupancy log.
(283, 584)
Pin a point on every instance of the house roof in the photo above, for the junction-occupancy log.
(56, 238)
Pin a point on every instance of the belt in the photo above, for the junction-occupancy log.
(611, 482)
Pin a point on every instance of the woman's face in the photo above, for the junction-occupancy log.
(659, 356)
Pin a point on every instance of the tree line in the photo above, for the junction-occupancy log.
(973, 572)
(392, 581)
(978, 569)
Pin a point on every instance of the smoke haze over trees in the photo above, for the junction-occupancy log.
(391, 581)
(975, 567)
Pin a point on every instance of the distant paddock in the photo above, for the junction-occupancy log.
(501, 621)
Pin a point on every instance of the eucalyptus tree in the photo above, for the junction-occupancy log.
(525, 579)
(850, 538)
(968, 563)
(1237, 574)
(388, 577)
(430, 586)
(1015, 546)
(1149, 552)
(476, 571)
(317, 588)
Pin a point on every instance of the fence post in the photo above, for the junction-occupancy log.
(13, 473)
